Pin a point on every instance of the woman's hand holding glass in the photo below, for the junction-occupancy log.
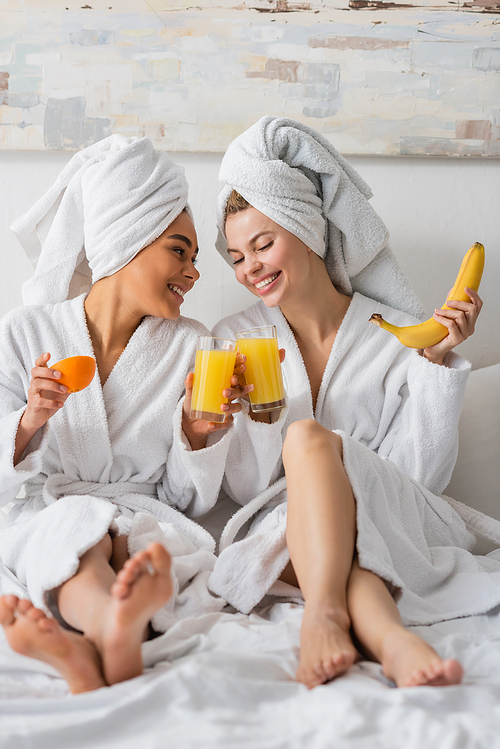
(197, 430)
(460, 322)
(266, 417)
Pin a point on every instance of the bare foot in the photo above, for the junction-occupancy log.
(30, 632)
(326, 648)
(411, 662)
(142, 587)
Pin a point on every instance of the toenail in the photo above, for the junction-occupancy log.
(150, 568)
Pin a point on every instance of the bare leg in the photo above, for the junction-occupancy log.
(406, 658)
(119, 554)
(113, 610)
(30, 632)
(321, 531)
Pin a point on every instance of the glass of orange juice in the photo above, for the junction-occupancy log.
(263, 367)
(214, 366)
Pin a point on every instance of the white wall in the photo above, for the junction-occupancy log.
(435, 209)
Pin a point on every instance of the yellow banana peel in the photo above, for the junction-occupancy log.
(430, 332)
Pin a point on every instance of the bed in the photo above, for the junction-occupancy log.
(226, 680)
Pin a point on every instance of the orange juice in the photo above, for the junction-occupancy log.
(212, 375)
(263, 370)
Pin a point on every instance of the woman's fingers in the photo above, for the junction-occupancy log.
(188, 384)
(460, 322)
(50, 404)
(45, 392)
(42, 360)
(455, 334)
(46, 389)
(237, 391)
(240, 365)
(474, 297)
(470, 310)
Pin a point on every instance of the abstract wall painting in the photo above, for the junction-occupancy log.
(378, 77)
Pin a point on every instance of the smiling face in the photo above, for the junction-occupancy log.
(159, 276)
(268, 260)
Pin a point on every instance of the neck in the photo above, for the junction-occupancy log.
(110, 322)
(318, 310)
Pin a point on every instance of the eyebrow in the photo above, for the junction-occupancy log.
(254, 238)
(182, 238)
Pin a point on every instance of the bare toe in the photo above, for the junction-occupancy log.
(34, 615)
(159, 558)
(142, 587)
(443, 674)
(24, 606)
(327, 650)
(32, 633)
(410, 662)
(8, 610)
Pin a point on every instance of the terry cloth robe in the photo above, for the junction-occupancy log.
(397, 414)
(113, 458)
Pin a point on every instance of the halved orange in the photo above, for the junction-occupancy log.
(77, 372)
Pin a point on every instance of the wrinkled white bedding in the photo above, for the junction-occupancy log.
(226, 680)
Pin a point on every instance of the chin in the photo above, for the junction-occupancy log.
(270, 301)
(170, 314)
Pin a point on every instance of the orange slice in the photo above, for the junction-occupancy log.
(77, 372)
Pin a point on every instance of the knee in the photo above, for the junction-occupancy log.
(307, 435)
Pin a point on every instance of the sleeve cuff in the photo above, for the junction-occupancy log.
(454, 367)
(31, 463)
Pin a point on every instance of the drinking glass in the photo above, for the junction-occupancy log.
(263, 367)
(214, 366)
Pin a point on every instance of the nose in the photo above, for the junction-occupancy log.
(192, 272)
(251, 264)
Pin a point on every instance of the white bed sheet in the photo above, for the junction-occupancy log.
(226, 680)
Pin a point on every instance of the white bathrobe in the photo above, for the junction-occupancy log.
(113, 458)
(398, 417)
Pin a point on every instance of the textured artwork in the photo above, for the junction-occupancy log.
(375, 76)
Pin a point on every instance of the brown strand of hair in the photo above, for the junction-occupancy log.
(235, 204)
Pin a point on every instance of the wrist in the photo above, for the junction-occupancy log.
(196, 441)
(27, 426)
(433, 359)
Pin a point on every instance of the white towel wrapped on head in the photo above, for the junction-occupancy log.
(293, 175)
(109, 202)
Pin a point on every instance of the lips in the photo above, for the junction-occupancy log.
(177, 291)
(266, 284)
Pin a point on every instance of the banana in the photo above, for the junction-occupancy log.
(430, 332)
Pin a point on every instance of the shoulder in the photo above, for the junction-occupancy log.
(25, 319)
(255, 315)
(181, 329)
(363, 305)
(175, 339)
(192, 327)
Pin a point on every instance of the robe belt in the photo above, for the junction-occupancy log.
(58, 485)
(121, 493)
